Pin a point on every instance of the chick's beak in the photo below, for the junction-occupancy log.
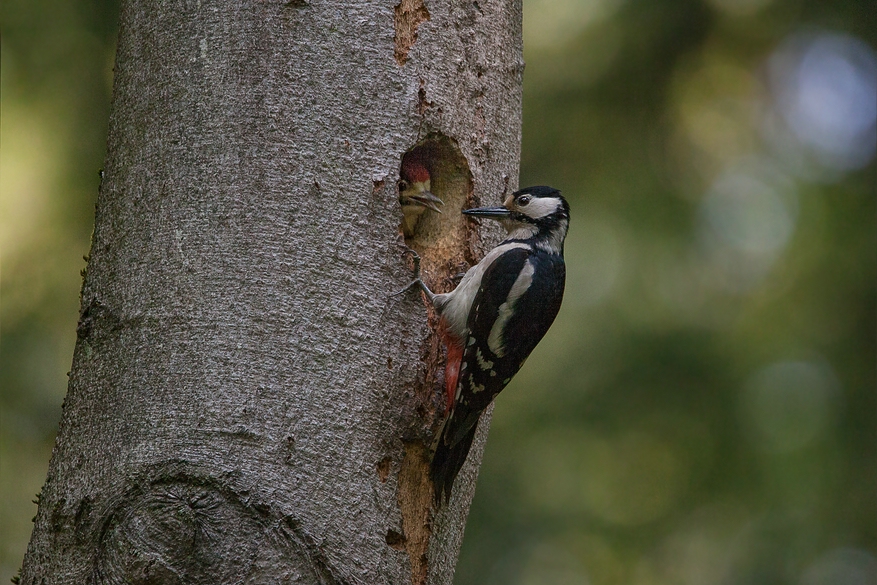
(426, 199)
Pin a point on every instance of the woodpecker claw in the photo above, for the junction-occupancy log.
(411, 285)
(426, 199)
(417, 281)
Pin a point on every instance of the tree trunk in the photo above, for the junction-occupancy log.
(247, 403)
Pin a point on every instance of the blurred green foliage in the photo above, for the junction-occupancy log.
(703, 411)
(55, 80)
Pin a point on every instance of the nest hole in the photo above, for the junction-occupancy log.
(441, 239)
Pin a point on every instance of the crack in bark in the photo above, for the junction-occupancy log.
(383, 469)
(409, 15)
(415, 501)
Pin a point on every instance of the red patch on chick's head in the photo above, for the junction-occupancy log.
(414, 169)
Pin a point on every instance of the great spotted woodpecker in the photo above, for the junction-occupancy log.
(415, 196)
(501, 309)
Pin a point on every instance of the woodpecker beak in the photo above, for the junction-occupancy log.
(489, 212)
(427, 199)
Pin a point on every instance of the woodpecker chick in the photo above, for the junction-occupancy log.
(501, 309)
(415, 196)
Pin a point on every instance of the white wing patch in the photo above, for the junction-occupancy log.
(454, 306)
(522, 283)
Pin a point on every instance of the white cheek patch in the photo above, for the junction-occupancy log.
(541, 207)
(522, 283)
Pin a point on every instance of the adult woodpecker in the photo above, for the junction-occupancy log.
(414, 194)
(501, 309)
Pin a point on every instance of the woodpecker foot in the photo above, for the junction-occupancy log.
(417, 280)
(409, 286)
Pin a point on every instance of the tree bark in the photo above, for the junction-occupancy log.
(247, 403)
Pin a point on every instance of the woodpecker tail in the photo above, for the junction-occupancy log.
(446, 464)
(451, 451)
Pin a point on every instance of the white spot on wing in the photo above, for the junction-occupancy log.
(477, 388)
(522, 283)
(483, 363)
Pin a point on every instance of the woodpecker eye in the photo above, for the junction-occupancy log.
(403, 185)
(523, 200)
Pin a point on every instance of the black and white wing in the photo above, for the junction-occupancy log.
(518, 299)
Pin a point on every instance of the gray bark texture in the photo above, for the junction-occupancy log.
(247, 402)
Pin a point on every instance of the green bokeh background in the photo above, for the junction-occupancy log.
(703, 411)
